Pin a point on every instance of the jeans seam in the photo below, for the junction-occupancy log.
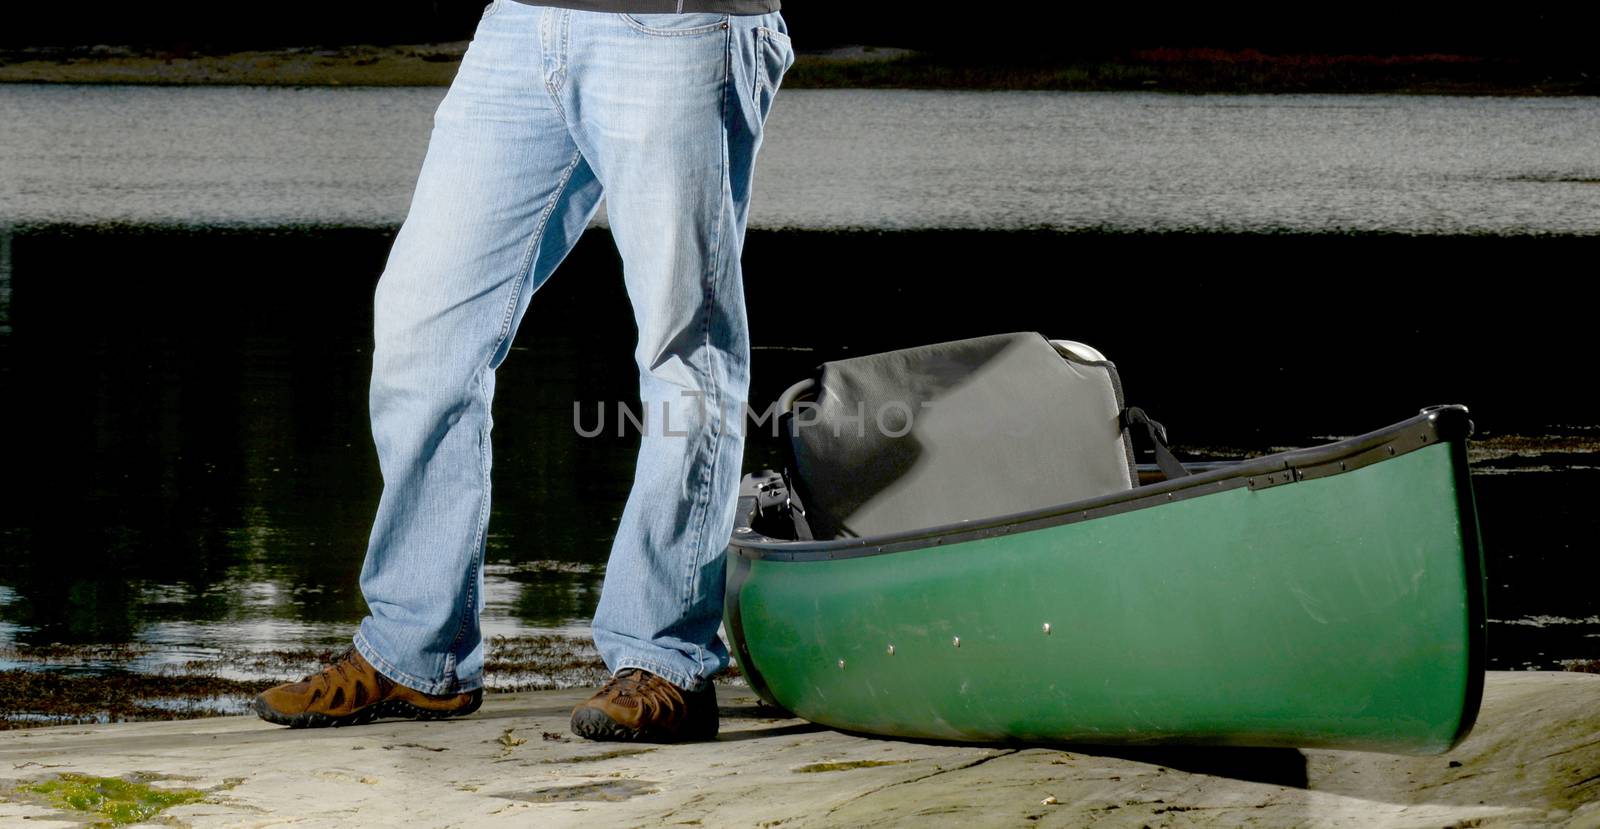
(469, 608)
(552, 82)
(759, 68)
(566, 51)
(534, 243)
(388, 669)
(521, 277)
(703, 495)
(768, 32)
(671, 675)
(694, 32)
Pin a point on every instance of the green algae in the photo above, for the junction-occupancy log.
(607, 791)
(595, 758)
(116, 802)
(852, 764)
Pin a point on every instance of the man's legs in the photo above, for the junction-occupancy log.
(670, 114)
(503, 195)
(550, 104)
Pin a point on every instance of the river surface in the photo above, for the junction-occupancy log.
(855, 159)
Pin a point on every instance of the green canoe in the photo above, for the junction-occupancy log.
(1323, 597)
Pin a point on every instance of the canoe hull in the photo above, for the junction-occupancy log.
(1334, 609)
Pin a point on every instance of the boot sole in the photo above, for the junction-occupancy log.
(393, 708)
(593, 724)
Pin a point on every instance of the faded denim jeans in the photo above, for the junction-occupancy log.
(552, 109)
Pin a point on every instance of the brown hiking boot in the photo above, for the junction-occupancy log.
(638, 705)
(352, 692)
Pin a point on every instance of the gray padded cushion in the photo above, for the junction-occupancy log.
(997, 425)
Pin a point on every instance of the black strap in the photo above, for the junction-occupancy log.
(797, 510)
(777, 501)
(1158, 437)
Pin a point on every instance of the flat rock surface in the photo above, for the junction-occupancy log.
(1532, 760)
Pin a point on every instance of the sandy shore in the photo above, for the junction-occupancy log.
(1532, 760)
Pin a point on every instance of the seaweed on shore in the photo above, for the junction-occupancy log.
(34, 698)
(79, 684)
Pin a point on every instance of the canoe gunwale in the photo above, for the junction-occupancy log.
(1433, 425)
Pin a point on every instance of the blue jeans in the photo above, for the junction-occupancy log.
(552, 108)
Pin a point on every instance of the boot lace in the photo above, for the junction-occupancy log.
(340, 667)
(632, 687)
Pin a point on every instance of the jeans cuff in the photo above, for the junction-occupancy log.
(676, 677)
(427, 686)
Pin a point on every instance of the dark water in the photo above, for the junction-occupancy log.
(188, 463)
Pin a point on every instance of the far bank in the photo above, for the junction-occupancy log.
(1182, 70)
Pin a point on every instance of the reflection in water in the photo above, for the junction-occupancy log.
(192, 459)
(190, 467)
(5, 279)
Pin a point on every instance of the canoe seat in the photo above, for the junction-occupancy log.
(958, 431)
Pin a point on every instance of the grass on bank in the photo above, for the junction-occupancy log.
(857, 67)
(1202, 70)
